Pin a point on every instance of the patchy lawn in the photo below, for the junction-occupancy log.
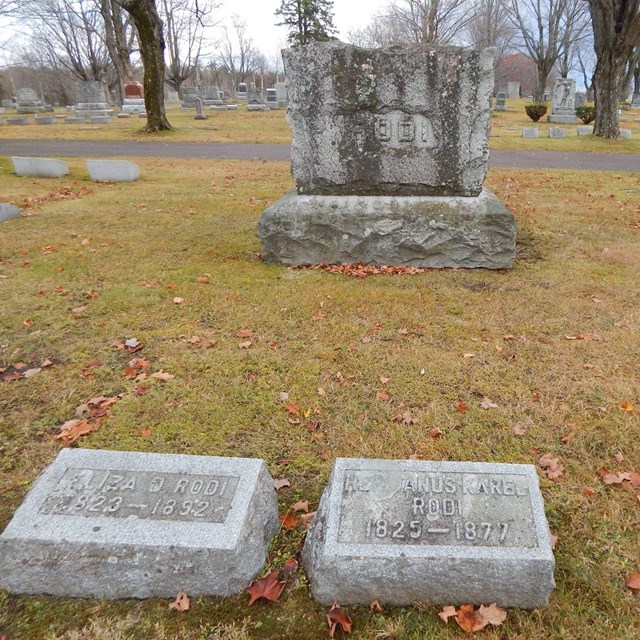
(271, 127)
(554, 343)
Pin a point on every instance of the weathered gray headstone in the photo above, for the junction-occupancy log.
(513, 88)
(257, 106)
(189, 95)
(113, 170)
(272, 99)
(28, 101)
(581, 98)
(8, 211)
(136, 525)
(39, 167)
(19, 120)
(530, 132)
(501, 101)
(92, 102)
(381, 138)
(45, 119)
(200, 114)
(625, 133)
(281, 93)
(585, 129)
(444, 532)
(563, 109)
(557, 132)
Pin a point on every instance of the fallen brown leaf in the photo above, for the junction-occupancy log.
(289, 567)
(488, 404)
(608, 477)
(302, 506)
(493, 614)
(376, 607)
(71, 430)
(268, 587)
(469, 619)
(551, 466)
(281, 483)
(244, 333)
(289, 520)
(633, 581)
(446, 613)
(337, 617)
(382, 395)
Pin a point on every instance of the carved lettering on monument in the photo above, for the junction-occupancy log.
(453, 508)
(145, 495)
(400, 129)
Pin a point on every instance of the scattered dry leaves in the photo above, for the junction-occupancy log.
(71, 430)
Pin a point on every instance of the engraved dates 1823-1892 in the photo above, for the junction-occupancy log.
(460, 509)
(147, 495)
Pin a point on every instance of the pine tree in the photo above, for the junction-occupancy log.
(308, 20)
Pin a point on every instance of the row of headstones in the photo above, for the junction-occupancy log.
(564, 101)
(559, 132)
(53, 119)
(135, 525)
(99, 170)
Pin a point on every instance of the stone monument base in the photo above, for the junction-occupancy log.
(420, 231)
(562, 119)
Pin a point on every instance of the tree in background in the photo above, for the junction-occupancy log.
(308, 20)
(490, 26)
(185, 22)
(119, 39)
(237, 55)
(144, 14)
(431, 21)
(544, 29)
(616, 32)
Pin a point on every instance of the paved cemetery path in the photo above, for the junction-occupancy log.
(240, 151)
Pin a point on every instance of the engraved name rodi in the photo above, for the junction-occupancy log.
(146, 495)
(398, 129)
(453, 508)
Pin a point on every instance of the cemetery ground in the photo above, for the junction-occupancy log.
(234, 357)
(271, 127)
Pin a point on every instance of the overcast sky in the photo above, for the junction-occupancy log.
(260, 16)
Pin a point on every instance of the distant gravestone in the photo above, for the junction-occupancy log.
(513, 88)
(189, 95)
(585, 129)
(581, 98)
(133, 90)
(200, 114)
(530, 132)
(272, 99)
(281, 93)
(625, 133)
(242, 91)
(92, 101)
(117, 524)
(28, 101)
(39, 167)
(402, 532)
(19, 120)
(389, 156)
(8, 211)
(133, 99)
(45, 119)
(635, 101)
(501, 101)
(557, 132)
(113, 170)
(563, 109)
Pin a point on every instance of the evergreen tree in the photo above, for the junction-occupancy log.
(307, 20)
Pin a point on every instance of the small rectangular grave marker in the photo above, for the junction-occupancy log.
(116, 524)
(442, 532)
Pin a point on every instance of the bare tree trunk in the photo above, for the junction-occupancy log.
(606, 83)
(149, 27)
(616, 31)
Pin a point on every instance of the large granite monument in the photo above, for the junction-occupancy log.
(113, 524)
(92, 102)
(443, 532)
(563, 102)
(389, 156)
(27, 101)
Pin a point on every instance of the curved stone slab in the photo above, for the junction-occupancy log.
(39, 167)
(419, 231)
(8, 211)
(113, 170)
(112, 524)
(442, 532)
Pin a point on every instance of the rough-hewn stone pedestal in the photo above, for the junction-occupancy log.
(422, 231)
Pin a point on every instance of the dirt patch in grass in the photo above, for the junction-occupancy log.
(554, 343)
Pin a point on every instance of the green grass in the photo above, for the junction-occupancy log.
(140, 245)
(271, 127)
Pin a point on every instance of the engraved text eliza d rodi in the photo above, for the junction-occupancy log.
(143, 494)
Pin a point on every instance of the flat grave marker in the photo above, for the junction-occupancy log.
(444, 532)
(118, 524)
